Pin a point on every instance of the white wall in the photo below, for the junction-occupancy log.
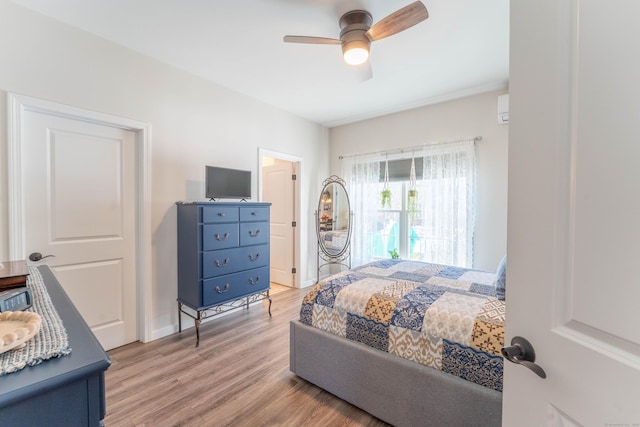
(461, 118)
(194, 122)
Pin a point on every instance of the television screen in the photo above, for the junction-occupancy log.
(223, 183)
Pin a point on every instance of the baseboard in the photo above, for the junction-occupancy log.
(308, 283)
(164, 332)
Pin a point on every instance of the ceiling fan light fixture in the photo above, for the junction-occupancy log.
(355, 52)
(357, 33)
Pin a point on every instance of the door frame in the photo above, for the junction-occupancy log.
(297, 162)
(17, 105)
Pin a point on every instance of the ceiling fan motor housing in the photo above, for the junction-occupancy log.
(353, 30)
(355, 17)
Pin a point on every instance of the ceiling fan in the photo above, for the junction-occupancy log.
(357, 33)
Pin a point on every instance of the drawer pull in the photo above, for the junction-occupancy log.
(222, 291)
(220, 213)
(254, 258)
(222, 264)
(254, 234)
(254, 282)
(219, 237)
(253, 213)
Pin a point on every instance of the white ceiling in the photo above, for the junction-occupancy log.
(462, 49)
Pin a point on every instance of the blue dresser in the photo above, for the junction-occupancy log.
(67, 391)
(223, 258)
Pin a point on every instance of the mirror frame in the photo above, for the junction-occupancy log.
(343, 256)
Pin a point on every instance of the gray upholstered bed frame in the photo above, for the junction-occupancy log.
(398, 391)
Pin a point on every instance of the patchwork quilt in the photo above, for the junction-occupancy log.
(444, 317)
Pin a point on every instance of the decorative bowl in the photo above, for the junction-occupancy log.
(16, 328)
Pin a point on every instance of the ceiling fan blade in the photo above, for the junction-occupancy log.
(364, 71)
(310, 40)
(398, 21)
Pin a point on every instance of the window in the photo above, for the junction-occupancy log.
(393, 223)
(440, 227)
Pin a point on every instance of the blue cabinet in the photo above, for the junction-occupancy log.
(63, 391)
(223, 258)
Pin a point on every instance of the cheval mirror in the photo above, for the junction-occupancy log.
(333, 225)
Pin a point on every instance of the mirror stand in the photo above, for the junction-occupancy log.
(333, 225)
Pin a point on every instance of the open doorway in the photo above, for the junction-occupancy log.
(278, 184)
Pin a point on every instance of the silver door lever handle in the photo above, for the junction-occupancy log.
(37, 256)
(521, 352)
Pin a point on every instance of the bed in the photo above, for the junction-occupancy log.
(411, 343)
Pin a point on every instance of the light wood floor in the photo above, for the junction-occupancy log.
(277, 288)
(239, 376)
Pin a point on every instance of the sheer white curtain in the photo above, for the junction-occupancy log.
(441, 228)
(447, 193)
(362, 177)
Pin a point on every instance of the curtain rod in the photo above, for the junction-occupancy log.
(408, 149)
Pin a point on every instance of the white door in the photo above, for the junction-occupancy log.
(573, 289)
(278, 188)
(79, 202)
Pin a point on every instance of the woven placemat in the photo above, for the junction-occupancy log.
(52, 339)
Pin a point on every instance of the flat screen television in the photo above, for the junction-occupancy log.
(223, 183)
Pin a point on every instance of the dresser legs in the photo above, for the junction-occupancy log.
(198, 321)
(269, 298)
(205, 313)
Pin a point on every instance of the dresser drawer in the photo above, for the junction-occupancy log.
(254, 233)
(219, 214)
(219, 236)
(220, 289)
(254, 213)
(218, 263)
